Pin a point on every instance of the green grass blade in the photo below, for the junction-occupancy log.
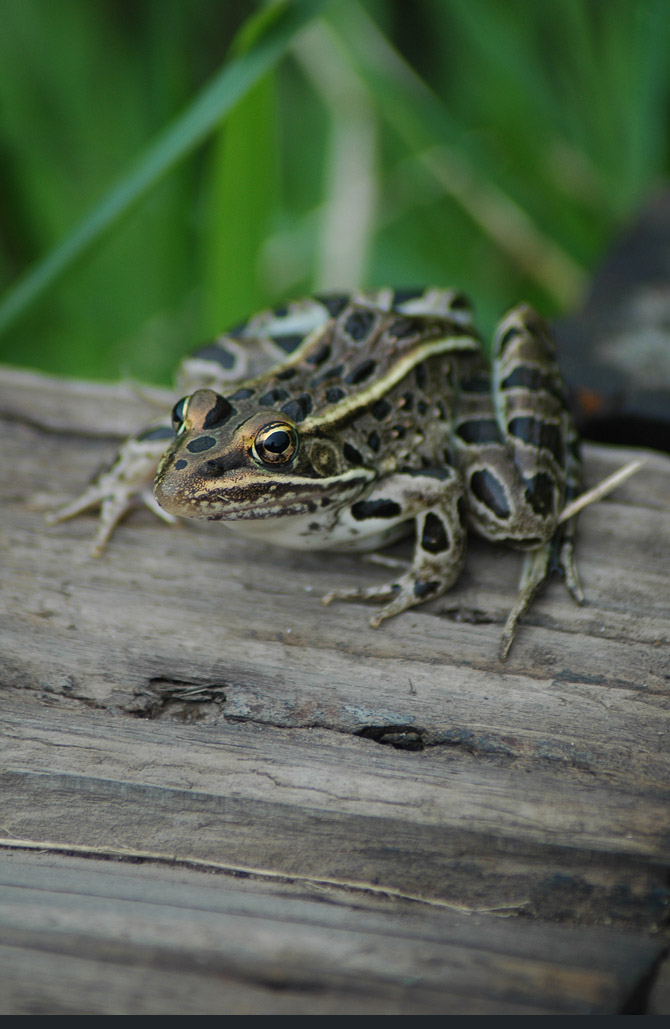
(264, 43)
(242, 200)
(433, 134)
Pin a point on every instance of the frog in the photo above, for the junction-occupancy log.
(344, 421)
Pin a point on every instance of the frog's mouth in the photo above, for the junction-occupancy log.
(207, 490)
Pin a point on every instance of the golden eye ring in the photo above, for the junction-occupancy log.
(276, 443)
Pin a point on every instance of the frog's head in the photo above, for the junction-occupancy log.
(230, 462)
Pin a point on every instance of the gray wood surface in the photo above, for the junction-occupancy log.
(219, 796)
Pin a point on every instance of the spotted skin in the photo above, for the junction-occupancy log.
(344, 421)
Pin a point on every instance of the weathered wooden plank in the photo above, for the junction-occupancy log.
(90, 409)
(179, 941)
(188, 696)
(440, 825)
(156, 616)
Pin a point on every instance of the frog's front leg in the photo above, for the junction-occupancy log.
(433, 499)
(124, 486)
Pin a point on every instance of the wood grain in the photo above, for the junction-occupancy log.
(212, 944)
(186, 701)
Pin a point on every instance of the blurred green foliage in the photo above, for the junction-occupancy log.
(492, 146)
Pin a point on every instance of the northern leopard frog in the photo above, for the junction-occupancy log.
(378, 414)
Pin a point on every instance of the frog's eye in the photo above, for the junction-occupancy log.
(179, 414)
(276, 443)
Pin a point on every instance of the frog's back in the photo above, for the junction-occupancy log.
(271, 341)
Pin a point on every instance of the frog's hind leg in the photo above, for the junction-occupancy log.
(520, 457)
(534, 571)
(555, 555)
(434, 302)
(253, 347)
(562, 555)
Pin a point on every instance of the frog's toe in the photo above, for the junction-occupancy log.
(407, 591)
(355, 593)
(115, 508)
(566, 563)
(84, 502)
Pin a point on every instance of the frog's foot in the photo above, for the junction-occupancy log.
(408, 590)
(125, 486)
(432, 497)
(533, 573)
(537, 564)
(564, 561)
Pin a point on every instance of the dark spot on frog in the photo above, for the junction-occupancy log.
(380, 409)
(314, 527)
(216, 352)
(200, 443)
(181, 463)
(299, 408)
(364, 509)
(351, 454)
(434, 537)
(406, 401)
(361, 372)
(424, 589)
(359, 325)
(219, 413)
(318, 356)
(490, 492)
(539, 434)
(273, 396)
(288, 373)
(242, 394)
(334, 394)
(217, 466)
(527, 377)
(374, 441)
(420, 376)
(288, 343)
(479, 430)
